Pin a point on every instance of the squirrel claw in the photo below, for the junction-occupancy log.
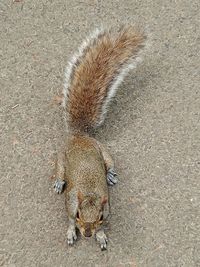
(102, 239)
(59, 186)
(71, 236)
(111, 177)
(103, 247)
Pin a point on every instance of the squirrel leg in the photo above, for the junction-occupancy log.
(102, 239)
(60, 183)
(72, 206)
(71, 232)
(106, 210)
(109, 163)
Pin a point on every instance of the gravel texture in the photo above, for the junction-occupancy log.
(152, 130)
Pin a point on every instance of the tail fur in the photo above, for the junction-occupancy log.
(95, 72)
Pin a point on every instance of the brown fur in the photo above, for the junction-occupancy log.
(90, 211)
(94, 72)
(86, 180)
(86, 164)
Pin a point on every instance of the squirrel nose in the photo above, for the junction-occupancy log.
(88, 233)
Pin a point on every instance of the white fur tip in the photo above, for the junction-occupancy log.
(119, 77)
(74, 59)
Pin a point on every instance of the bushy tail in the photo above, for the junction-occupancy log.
(96, 71)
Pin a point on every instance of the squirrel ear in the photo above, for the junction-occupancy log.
(80, 197)
(104, 200)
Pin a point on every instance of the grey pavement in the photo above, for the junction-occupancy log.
(152, 130)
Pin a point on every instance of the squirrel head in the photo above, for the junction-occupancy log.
(90, 213)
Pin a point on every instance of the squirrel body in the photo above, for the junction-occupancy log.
(85, 166)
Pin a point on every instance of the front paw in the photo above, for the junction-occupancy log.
(102, 239)
(59, 186)
(111, 177)
(71, 236)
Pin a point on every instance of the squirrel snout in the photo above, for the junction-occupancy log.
(88, 232)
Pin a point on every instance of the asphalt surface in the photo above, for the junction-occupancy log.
(152, 130)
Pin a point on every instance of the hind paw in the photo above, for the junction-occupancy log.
(59, 186)
(111, 177)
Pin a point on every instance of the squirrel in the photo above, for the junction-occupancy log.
(85, 169)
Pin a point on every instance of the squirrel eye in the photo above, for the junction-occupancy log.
(77, 215)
